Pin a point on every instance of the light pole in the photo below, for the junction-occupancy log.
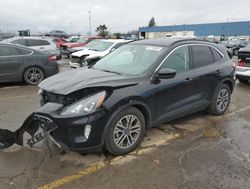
(90, 23)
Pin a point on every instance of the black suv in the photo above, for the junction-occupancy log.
(140, 85)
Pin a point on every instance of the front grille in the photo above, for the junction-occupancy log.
(75, 59)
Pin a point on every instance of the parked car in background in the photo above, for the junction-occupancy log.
(140, 85)
(234, 45)
(59, 42)
(66, 48)
(88, 46)
(18, 63)
(243, 65)
(57, 33)
(72, 39)
(42, 44)
(88, 57)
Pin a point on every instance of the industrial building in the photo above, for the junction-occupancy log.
(216, 29)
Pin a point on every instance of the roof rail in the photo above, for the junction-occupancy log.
(183, 40)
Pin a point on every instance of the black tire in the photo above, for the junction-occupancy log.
(110, 143)
(219, 107)
(33, 75)
(243, 81)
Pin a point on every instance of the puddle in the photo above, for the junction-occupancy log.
(210, 132)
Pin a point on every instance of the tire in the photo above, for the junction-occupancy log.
(33, 75)
(119, 133)
(243, 81)
(221, 100)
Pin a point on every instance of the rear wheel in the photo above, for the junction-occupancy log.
(33, 76)
(125, 132)
(221, 100)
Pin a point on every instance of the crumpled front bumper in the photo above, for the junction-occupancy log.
(66, 132)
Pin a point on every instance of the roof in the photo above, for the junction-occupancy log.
(116, 40)
(27, 37)
(218, 29)
(165, 42)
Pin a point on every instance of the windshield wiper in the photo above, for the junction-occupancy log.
(109, 71)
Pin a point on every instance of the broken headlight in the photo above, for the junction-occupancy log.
(85, 106)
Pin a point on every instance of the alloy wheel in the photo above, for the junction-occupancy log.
(34, 75)
(222, 99)
(127, 131)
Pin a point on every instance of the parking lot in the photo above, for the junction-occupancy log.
(198, 151)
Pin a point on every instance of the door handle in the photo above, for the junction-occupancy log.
(41, 47)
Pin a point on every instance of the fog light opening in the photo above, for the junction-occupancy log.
(87, 131)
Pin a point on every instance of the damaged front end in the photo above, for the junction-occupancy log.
(37, 126)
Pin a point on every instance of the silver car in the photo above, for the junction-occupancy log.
(42, 44)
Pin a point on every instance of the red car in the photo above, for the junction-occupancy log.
(59, 42)
(66, 47)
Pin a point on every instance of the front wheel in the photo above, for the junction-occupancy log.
(221, 100)
(125, 132)
(33, 76)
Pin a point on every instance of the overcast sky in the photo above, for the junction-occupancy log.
(119, 16)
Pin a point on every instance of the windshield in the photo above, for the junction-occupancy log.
(130, 59)
(92, 43)
(82, 40)
(101, 45)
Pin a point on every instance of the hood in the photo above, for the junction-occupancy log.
(71, 45)
(87, 52)
(69, 81)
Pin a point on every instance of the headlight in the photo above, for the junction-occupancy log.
(85, 106)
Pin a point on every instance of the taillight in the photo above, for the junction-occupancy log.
(241, 63)
(52, 58)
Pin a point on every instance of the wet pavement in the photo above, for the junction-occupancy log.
(198, 151)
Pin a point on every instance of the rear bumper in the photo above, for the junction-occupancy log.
(52, 70)
(242, 73)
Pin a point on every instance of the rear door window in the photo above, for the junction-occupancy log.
(201, 55)
(217, 55)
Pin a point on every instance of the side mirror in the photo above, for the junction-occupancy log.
(165, 73)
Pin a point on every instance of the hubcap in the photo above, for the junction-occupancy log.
(222, 100)
(34, 75)
(127, 131)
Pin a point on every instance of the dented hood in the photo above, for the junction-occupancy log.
(69, 81)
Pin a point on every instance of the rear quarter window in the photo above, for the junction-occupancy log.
(201, 55)
(217, 56)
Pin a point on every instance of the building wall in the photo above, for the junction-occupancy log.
(216, 29)
(154, 35)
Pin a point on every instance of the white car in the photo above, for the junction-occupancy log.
(89, 56)
(43, 44)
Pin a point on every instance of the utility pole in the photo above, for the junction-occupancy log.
(90, 23)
